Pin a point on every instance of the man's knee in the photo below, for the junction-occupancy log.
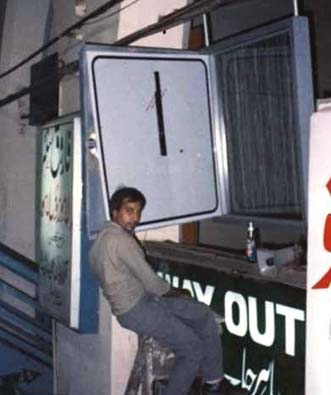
(191, 349)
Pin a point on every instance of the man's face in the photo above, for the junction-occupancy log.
(128, 216)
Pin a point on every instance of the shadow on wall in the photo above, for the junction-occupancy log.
(20, 374)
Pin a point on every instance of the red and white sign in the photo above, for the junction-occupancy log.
(318, 344)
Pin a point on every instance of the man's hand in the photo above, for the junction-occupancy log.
(178, 293)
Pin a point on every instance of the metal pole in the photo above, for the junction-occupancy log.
(206, 29)
(296, 8)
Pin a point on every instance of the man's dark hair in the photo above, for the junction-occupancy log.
(126, 194)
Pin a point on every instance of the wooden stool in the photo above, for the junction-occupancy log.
(151, 367)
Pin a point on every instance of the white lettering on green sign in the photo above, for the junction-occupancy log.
(241, 316)
(202, 295)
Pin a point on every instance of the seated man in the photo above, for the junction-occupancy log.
(145, 304)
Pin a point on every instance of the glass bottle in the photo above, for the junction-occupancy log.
(251, 244)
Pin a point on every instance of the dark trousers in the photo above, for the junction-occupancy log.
(186, 327)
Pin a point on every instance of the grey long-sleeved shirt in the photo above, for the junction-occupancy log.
(120, 266)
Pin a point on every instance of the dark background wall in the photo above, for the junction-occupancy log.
(245, 15)
(319, 14)
(2, 17)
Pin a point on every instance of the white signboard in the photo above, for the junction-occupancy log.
(59, 211)
(318, 353)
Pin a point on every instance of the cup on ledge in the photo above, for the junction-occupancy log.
(266, 262)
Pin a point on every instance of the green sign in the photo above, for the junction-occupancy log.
(263, 325)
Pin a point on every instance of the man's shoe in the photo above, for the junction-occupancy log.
(224, 387)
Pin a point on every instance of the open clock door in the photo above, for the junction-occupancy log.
(151, 114)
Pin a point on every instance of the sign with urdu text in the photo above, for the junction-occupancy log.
(58, 240)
